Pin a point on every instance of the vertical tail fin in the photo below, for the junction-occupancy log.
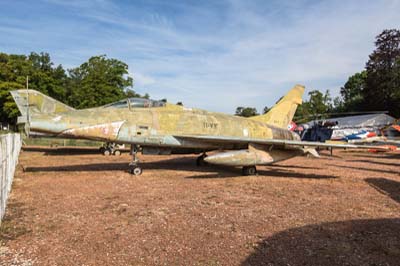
(283, 111)
(38, 103)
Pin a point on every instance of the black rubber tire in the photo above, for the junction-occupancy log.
(136, 170)
(107, 152)
(249, 170)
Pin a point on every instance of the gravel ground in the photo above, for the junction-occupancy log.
(86, 209)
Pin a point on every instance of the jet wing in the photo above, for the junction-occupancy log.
(278, 142)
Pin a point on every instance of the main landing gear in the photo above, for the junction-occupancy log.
(200, 160)
(110, 149)
(249, 170)
(134, 167)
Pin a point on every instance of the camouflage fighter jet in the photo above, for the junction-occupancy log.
(154, 127)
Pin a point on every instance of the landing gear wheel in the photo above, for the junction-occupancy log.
(136, 170)
(200, 160)
(117, 153)
(249, 170)
(107, 152)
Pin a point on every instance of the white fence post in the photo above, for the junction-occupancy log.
(10, 146)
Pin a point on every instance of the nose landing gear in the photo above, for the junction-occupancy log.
(134, 167)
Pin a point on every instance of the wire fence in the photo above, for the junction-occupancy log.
(10, 146)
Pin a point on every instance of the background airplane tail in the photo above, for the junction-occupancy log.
(281, 114)
(38, 103)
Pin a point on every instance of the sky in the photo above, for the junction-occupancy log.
(215, 55)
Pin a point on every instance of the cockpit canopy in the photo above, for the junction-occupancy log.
(135, 103)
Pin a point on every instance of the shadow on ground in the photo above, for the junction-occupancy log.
(378, 155)
(181, 164)
(368, 169)
(388, 187)
(354, 242)
(375, 162)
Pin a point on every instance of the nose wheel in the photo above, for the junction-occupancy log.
(136, 170)
(134, 167)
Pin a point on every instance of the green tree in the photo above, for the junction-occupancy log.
(129, 93)
(319, 103)
(396, 78)
(317, 106)
(338, 105)
(353, 93)
(8, 109)
(46, 78)
(383, 83)
(42, 77)
(302, 113)
(98, 81)
(246, 111)
(12, 69)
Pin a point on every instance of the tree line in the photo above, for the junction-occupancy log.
(375, 88)
(98, 81)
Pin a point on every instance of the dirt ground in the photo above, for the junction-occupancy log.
(86, 209)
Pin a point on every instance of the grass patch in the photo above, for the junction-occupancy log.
(9, 231)
(12, 225)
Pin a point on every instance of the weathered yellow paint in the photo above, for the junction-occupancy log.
(107, 131)
(169, 120)
(153, 126)
(38, 103)
(282, 113)
(257, 140)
